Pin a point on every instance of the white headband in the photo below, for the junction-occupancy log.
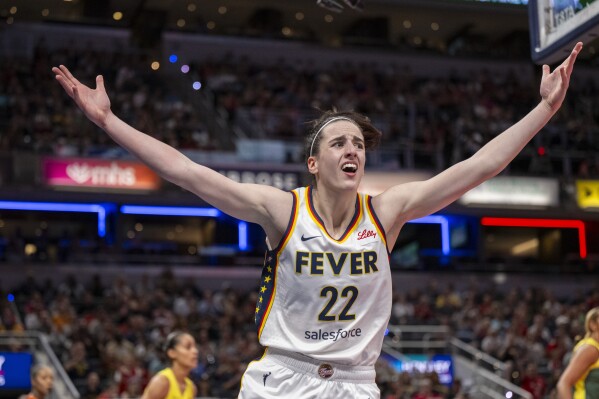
(334, 119)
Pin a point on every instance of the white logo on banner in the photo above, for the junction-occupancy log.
(112, 175)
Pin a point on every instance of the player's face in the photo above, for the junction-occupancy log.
(43, 381)
(185, 352)
(341, 157)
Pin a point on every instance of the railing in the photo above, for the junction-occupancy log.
(478, 357)
(487, 384)
(487, 372)
(423, 338)
(490, 373)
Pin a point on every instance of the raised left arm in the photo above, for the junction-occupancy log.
(417, 199)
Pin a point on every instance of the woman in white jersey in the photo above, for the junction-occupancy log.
(325, 290)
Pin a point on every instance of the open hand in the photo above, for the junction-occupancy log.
(93, 102)
(554, 85)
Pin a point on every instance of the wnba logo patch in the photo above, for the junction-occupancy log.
(325, 371)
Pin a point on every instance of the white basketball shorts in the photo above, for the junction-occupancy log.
(280, 374)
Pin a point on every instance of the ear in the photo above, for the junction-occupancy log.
(168, 354)
(312, 165)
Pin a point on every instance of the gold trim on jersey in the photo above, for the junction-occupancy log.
(318, 221)
(281, 247)
(375, 221)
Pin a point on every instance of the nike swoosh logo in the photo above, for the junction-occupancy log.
(309, 238)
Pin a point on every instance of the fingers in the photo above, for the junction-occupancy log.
(569, 62)
(564, 75)
(100, 82)
(64, 80)
(68, 74)
(573, 56)
(545, 71)
(565, 69)
(61, 72)
(67, 86)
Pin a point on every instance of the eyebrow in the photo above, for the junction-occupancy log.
(343, 137)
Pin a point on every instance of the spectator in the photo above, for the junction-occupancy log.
(533, 382)
(42, 381)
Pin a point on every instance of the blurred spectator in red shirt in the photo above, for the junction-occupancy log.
(533, 382)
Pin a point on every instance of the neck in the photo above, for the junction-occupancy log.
(336, 208)
(180, 372)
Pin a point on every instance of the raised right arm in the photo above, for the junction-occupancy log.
(264, 205)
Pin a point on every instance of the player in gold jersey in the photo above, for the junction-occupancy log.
(580, 380)
(173, 382)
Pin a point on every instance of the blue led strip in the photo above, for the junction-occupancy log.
(187, 211)
(100, 210)
(169, 211)
(60, 207)
(441, 220)
(243, 235)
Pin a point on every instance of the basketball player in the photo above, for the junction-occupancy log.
(580, 380)
(42, 381)
(325, 291)
(173, 382)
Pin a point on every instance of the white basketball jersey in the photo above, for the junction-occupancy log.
(327, 298)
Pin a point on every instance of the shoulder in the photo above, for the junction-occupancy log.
(592, 347)
(279, 210)
(390, 205)
(587, 344)
(158, 387)
(594, 342)
(395, 196)
(586, 352)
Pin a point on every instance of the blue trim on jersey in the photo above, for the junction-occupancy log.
(290, 223)
(267, 288)
(378, 222)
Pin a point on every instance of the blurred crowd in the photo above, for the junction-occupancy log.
(533, 331)
(108, 334)
(428, 122)
(448, 117)
(40, 118)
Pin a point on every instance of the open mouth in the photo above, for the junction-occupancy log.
(349, 167)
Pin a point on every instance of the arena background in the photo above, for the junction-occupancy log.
(100, 258)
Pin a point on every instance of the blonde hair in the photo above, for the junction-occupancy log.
(592, 315)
